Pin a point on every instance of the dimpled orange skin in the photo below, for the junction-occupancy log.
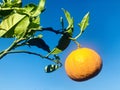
(83, 64)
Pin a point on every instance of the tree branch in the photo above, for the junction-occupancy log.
(52, 30)
(11, 47)
(28, 52)
(3, 53)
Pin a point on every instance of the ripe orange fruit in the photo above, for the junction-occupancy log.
(83, 64)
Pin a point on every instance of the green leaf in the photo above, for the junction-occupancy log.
(65, 38)
(38, 42)
(50, 68)
(84, 23)
(8, 24)
(33, 26)
(4, 13)
(55, 51)
(40, 8)
(11, 3)
(41, 5)
(17, 2)
(69, 18)
(21, 28)
(8, 6)
(34, 23)
(62, 44)
(29, 9)
(16, 24)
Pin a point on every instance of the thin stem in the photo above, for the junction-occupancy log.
(8, 49)
(78, 35)
(40, 8)
(75, 41)
(21, 44)
(62, 23)
(29, 52)
(23, 51)
(51, 29)
(12, 46)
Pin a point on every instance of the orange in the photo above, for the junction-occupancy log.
(83, 64)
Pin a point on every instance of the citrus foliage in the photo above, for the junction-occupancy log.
(67, 34)
(22, 23)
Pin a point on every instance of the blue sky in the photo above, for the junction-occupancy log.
(26, 72)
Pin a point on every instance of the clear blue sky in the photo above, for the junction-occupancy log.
(26, 72)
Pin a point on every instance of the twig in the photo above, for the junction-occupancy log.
(37, 54)
(52, 30)
(75, 41)
(12, 46)
(2, 54)
(29, 52)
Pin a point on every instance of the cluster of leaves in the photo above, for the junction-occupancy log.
(22, 23)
